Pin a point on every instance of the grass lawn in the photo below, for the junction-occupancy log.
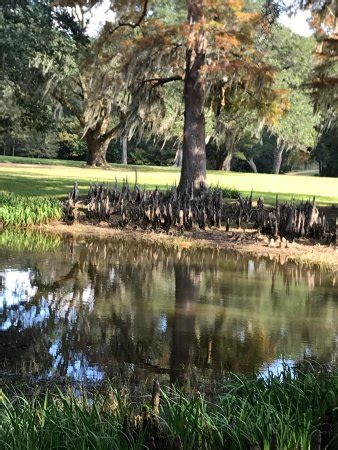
(28, 176)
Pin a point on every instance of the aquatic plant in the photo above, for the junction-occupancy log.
(293, 410)
(16, 210)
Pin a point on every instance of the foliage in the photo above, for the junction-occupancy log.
(291, 55)
(26, 31)
(289, 409)
(53, 66)
(227, 192)
(23, 211)
(324, 83)
(326, 152)
(71, 144)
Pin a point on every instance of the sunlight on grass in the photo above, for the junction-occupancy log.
(57, 180)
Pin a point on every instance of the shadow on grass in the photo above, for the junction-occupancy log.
(82, 164)
(60, 187)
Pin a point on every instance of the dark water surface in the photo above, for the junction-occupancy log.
(90, 309)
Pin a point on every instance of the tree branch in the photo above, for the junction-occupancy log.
(64, 102)
(111, 133)
(130, 24)
(161, 81)
(142, 16)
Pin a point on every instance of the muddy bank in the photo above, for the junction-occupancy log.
(247, 242)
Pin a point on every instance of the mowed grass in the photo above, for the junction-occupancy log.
(42, 177)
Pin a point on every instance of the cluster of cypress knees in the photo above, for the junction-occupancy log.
(173, 208)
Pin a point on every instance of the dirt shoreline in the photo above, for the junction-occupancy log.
(249, 242)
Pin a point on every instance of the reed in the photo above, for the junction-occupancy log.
(17, 211)
(290, 411)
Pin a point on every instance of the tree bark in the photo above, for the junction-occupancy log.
(277, 159)
(226, 164)
(97, 149)
(252, 164)
(320, 166)
(124, 154)
(178, 158)
(193, 172)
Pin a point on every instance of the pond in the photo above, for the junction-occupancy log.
(90, 309)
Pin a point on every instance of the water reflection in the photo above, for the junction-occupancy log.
(91, 309)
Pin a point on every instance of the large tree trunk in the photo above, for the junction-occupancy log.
(97, 143)
(226, 164)
(124, 154)
(252, 164)
(229, 147)
(193, 172)
(97, 150)
(277, 158)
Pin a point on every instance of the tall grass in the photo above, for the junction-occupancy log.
(16, 210)
(287, 412)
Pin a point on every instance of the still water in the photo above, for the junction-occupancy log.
(89, 309)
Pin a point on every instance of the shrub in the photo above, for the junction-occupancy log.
(227, 192)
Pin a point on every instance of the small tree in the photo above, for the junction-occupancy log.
(292, 56)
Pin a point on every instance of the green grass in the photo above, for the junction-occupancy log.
(16, 210)
(291, 410)
(56, 178)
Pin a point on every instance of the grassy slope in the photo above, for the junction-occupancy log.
(57, 177)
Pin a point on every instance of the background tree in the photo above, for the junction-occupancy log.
(239, 116)
(324, 21)
(326, 152)
(291, 54)
(47, 53)
(25, 115)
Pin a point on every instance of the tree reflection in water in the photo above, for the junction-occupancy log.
(96, 308)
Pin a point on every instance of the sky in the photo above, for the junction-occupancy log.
(297, 23)
(101, 14)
